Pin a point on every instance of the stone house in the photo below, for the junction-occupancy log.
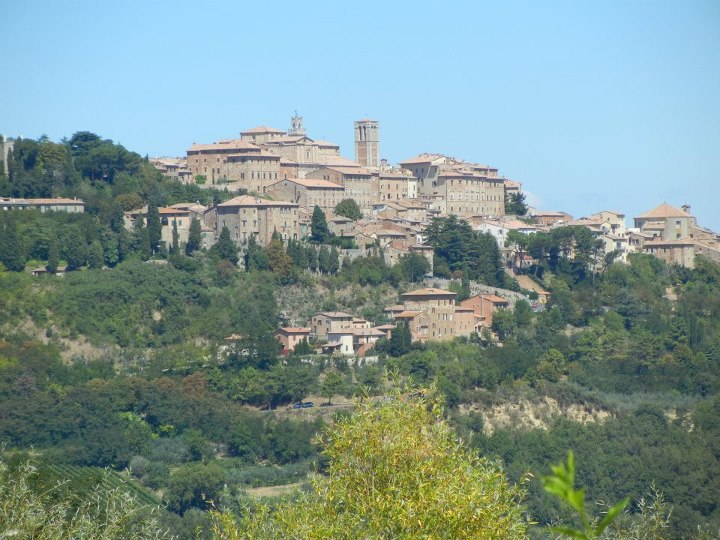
(290, 337)
(247, 216)
(308, 193)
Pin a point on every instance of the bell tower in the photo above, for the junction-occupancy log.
(296, 125)
(367, 142)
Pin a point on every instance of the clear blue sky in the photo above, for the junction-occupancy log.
(592, 105)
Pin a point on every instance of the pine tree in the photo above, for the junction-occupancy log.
(311, 255)
(194, 237)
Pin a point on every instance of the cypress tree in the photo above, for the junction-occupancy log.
(53, 255)
(225, 248)
(11, 252)
(175, 247)
(194, 237)
(318, 226)
(154, 226)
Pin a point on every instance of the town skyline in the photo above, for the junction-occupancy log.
(590, 108)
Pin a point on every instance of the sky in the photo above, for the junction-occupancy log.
(592, 105)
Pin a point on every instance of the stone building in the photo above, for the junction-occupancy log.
(331, 322)
(308, 193)
(58, 204)
(396, 185)
(234, 160)
(437, 308)
(247, 216)
(174, 168)
(453, 186)
(290, 337)
(367, 143)
(359, 183)
(6, 147)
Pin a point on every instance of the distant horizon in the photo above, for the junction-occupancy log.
(610, 105)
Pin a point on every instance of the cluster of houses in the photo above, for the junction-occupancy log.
(431, 315)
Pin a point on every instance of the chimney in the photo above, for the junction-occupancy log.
(686, 208)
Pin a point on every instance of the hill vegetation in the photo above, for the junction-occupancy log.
(197, 420)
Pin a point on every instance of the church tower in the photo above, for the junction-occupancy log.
(296, 125)
(367, 142)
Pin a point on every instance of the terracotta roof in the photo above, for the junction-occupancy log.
(422, 158)
(294, 330)
(262, 129)
(385, 327)
(681, 242)
(335, 314)
(349, 170)
(248, 200)
(225, 145)
(338, 161)
(664, 211)
(312, 183)
(368, 332)
(260, 153)
(164, 210)
(409, 314)
(430, 291)
(326, 143)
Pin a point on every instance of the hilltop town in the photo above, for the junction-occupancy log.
(278, 182)
(193, 323)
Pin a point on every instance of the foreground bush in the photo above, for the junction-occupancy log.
(396, 471)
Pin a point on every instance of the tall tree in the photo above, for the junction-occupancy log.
(194, 237)
(175, 246)
(225, 248)
(95, 255)
(324, 263)
(11, 251)
(318, 226)
(154, 226)
(53, 254)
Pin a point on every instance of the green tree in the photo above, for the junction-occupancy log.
(414, 267)
(175, 246)
(11, 251)
(95, 256)
(515, 204)
(332, 385)
(154, 226)
(349, 209)
(400, 340)
(195, 485)
(334, 261)
(225, 248)
(319, 232)
(522, 313)
(280, 262)
(256, 258)
(53, 254)
(75, 249)
(194, 237)
(396, 471)
(324, 262)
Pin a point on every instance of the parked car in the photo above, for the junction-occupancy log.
(308, 404)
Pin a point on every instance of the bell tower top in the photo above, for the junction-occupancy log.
(296, 125)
